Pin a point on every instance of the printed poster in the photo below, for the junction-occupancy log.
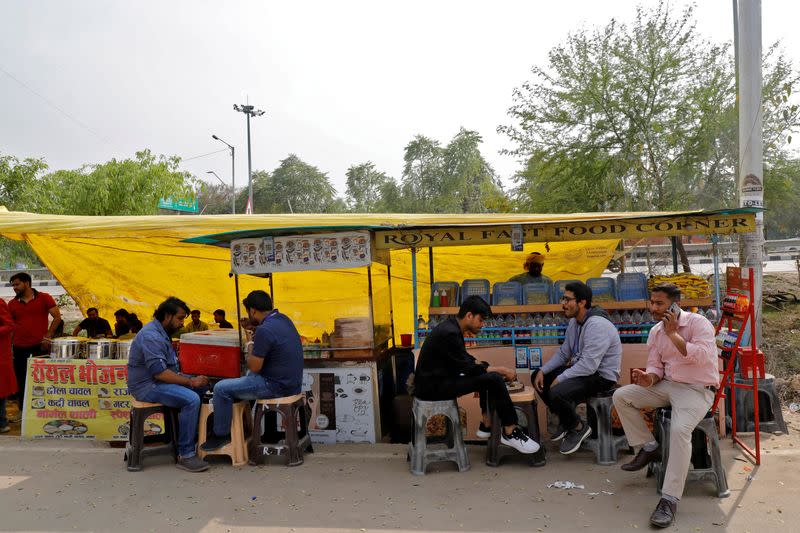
(290, 253)
(79, 399)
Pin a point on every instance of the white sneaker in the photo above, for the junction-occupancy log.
(483, 431)
(520, 441)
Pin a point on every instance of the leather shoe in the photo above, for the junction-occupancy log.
(664, 514)
(642, 459)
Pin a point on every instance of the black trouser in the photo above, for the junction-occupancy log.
(566, 395)
(486, 385)
(21, 355)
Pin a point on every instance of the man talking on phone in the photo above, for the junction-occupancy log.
(682, 372)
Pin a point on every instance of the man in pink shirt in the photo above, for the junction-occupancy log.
(682, 371)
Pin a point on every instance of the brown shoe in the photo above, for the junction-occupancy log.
(642, 459)
(664, 514)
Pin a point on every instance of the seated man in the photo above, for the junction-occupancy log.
(195, 325)
(445, 371)
(587, 363)
(94, 325)
(121, 326)
(533, 266)
(219, 318)
(275, 366)
(154, 376)
(682, 371)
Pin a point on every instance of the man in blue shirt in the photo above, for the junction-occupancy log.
(154, 376)
(275, 366)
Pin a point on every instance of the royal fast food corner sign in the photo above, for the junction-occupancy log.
(719, 224)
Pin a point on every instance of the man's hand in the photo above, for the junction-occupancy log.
(642, 378)
(538, 381)
(507, 373)
(670, 323)
(197, 382)
(46, 344)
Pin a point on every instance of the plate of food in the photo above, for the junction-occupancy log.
(64, 427)
(515, 386)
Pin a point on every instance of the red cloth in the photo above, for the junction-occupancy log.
(32, 319)
(8, 381)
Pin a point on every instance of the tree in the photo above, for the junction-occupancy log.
(215, 199)
(638, 118)
(295, 186)
(453, 179)
(366, 187)
(127, 187)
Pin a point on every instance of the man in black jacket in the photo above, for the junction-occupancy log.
(445, 371)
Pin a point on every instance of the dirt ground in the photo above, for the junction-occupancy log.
(83, 486)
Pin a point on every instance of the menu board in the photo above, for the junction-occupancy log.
(79, 399)
(289, 253)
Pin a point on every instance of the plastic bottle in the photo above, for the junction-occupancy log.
(422, 326)
(548, 333)
(435, 301)
(444, 298)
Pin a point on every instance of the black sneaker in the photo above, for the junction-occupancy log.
(519, 441)
(574, 438)
(192, 464)
(215, 443)
(559, 434)
(484, 432)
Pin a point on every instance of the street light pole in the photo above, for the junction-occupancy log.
(250, 111)
(233, 191)
(233, 172)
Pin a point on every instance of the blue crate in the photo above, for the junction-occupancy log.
(475, 287)
(536, 293)
(631, 286)
(507, 293)
(452, 291)
(558, 289)
(603, 289)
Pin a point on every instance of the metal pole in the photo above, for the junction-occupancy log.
(414, 294)
(238, 310)
(233, 181)
(751, 146)
(249, 168)
(715, 252)
(674, 241)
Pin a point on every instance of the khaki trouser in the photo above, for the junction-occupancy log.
(690, 403)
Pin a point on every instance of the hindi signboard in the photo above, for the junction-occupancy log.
(79, 399)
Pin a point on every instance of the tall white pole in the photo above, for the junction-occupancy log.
(751, 145)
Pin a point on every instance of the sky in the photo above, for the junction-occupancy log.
(341, 83)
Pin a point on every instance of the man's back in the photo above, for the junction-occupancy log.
(278, 342)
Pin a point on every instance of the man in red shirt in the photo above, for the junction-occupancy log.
(30, 309)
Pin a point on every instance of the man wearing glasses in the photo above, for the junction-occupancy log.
(587, 363)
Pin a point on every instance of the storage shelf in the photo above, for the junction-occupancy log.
(556, 308)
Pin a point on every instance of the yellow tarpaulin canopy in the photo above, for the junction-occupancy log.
(135, 262)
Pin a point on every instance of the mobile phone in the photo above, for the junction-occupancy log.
(675, 309)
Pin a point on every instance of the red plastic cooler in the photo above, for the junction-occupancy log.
(214, 353)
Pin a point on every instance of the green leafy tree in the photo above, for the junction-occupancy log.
(639, 117)
(295, 186)
(215, 199)
(366, 187)
(422, 175)
(127, 187)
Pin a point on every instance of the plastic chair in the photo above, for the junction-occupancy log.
(603, 442)
(294, 411)
(419, 455)
(524, 401)
(241, 429)
(135, 450)
(770, 415)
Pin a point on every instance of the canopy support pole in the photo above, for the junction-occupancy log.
(715, 253)
(430, 263)
(238, 310)
(414, 295)
(674, 241)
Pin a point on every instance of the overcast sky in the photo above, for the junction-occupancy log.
(341, 82)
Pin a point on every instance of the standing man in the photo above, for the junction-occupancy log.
(219, 318)
(445, 371)
(94, 325)
(154, 376)
(31, 311)
(682, 371)
(275, 366)
(587, 363)
(533, 266)
(8, 381)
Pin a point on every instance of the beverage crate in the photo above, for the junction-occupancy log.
(536, 293)
(507, 293)
(631, 286)
(475, 287)
(603, 289)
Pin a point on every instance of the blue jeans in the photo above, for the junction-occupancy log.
(187, 401)
(226, 392)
